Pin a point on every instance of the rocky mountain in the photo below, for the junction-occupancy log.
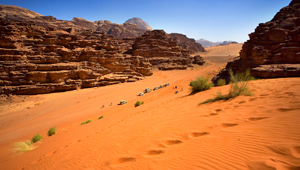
(273, 50)
(41, 54)
(138, 21)
(187, 43)
(126, 30)
(35, 59)
(10, 11)
(162, 51)
(206, 43)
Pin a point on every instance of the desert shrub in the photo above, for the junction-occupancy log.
(221, 82)
(52, 131)
(239, 77)
(23, 146)
(36, 138)
(200, 84)
(100, 117)
(138, 103)
(86, 122)
(237, 87)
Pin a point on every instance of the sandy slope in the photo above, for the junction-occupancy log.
(170, 131)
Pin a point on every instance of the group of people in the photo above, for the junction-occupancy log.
(109, 105)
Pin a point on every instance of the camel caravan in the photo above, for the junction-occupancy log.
(147, 90)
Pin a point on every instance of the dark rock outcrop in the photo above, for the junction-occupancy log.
(162, 51)
(187, 43)
(273, 50)
(36, 59)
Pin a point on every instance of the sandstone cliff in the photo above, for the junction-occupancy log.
(162, 51)
(273, 49)
(187, 43)
(36, 59)
(126, 30)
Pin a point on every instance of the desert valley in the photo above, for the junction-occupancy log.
(72, 75)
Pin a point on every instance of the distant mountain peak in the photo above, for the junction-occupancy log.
(138, 21)
(207, 43)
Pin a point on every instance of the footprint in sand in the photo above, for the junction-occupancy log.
(287, 109)
(256, 118)
(295, 150)
(218, 110)
(154, 152)
(173, 142)
(51, 153)
(252, 99)
(198, 134)
(213, 114)
(122, 160)
(241, 102)
(36, 161)
(229, 124)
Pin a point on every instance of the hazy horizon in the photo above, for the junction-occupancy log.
(216, 20)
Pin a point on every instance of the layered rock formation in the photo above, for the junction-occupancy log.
(139, 22)
(162, 51)
(126, 30)
(273, 50)
(36, 59)
(187, 43)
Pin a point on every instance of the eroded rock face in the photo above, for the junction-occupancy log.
(273, 50)
(126, 30)
(162, 51)
(187, 43)
(36, 59)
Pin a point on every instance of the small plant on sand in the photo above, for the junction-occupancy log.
(36, 138)
(240, 77)
(22, 147)
(52, 131)
(138, 103)
(221, 82)
(237, 87)
(100, 117)
(200, 84)
(86, 122)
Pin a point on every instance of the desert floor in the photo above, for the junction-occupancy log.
(169, 131)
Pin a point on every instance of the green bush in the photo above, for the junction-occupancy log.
(36, 138)
(23, 146)
(138, 103)
(200, 84)
(86, 122)
(52, 131)
(221, 82)
(100, 117)
(238, 77)
(238, 86)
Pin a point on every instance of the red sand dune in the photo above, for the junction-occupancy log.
(170, 131)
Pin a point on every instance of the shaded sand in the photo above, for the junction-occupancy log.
(222, 54)
(170, 131)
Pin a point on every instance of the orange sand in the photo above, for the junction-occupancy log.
(170, 131)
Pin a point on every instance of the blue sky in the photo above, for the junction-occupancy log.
(214, 20)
